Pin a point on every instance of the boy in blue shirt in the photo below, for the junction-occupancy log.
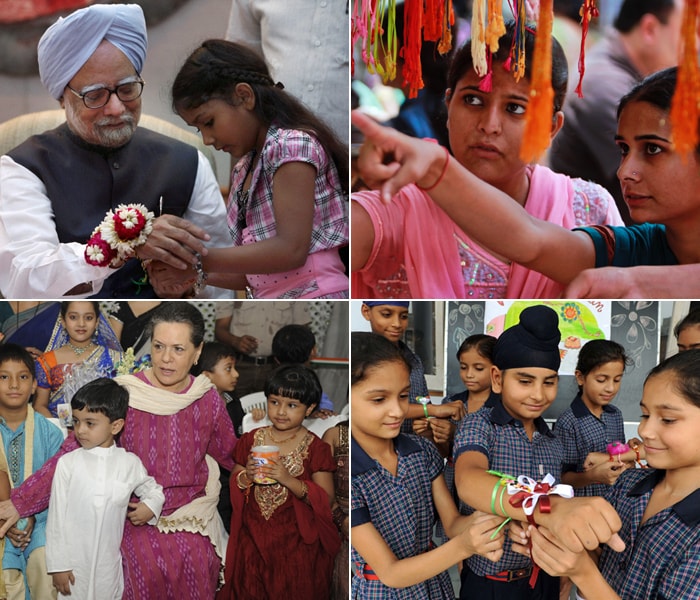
(28, 441)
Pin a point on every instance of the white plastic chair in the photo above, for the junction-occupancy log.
(254, 400)
(317, 426)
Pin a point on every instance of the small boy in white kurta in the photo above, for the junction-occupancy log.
(90, 497)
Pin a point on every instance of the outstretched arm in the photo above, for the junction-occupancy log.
(471, 535)
(391, 160)
(677, 281)
(579, 523)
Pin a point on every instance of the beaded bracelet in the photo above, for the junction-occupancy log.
(442, 174)
(304, 491)
(202, 277)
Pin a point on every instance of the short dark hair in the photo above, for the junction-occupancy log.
(103, 396)
(17, 353)
(295, 381)
(369, 350)
(212, 353)
(690, 320)
(293, 344)
(632, 11)
(179, 312)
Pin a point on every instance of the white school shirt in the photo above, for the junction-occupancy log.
(87, 511)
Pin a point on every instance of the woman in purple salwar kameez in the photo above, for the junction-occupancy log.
(179, 427)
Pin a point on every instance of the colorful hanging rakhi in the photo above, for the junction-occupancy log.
(538, 119)
(588, 11)
(367, 26)
(410, 52)
(684, 105)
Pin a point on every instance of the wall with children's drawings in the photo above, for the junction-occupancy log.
(634, 324)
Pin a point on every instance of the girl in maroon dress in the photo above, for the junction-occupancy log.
(281, 529)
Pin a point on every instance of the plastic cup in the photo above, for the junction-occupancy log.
(262, 456)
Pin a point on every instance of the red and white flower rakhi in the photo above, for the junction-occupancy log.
(122, 231)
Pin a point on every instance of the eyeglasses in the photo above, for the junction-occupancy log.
(97, 98)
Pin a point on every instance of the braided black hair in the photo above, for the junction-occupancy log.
(214, 69)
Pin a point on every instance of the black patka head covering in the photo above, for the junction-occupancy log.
(533, 342)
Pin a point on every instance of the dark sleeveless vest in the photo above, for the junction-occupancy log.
(83, 182)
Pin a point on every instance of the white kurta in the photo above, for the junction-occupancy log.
(89, 500)
(34, 264)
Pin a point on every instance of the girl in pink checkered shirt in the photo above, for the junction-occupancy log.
(287, 209)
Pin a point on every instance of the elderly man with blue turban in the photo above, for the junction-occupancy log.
(56, 187)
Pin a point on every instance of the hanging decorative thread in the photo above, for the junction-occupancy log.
(588, 11)
(538, 120)
(413, 26)
(684, 104)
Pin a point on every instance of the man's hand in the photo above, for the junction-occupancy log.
(174, 241)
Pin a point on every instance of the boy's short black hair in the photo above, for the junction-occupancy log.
(17, 353)
(293, 344)
(212, 353)
(104, 396)
(295, 381)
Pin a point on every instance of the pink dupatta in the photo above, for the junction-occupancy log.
(426, 237)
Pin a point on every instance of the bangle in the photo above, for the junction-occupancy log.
(304, 491)
(442, 174)
(239, 483)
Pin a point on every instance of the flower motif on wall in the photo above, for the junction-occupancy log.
(638, 327)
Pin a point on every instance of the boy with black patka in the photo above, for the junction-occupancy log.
(512, 437)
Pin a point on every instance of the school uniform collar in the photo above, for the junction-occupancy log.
(688, 509)
(361, 462)
(580, 410)
(500, 416)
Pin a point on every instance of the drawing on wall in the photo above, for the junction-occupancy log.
(579, 322)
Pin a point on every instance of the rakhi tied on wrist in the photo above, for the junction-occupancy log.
(615, 449)
(529, 494)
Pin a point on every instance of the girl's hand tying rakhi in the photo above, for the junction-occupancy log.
(442, 430)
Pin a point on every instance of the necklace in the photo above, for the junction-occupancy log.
(242, 195)
(272, 438)
(79, 349)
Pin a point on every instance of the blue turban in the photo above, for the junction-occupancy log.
(385, 303)
(68, 44)
(533, 342)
